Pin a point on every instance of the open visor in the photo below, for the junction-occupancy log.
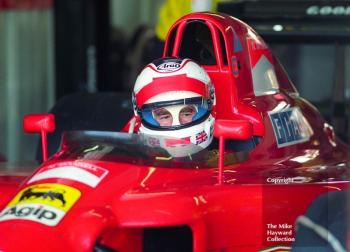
(175, 114)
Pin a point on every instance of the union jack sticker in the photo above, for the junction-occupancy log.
(201, 137)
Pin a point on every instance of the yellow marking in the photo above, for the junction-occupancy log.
(56, 195)
(164, 158)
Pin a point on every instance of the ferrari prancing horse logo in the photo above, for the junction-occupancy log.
(44, 203)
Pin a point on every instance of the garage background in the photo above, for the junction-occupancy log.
(51, 49)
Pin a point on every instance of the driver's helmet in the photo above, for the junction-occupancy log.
(175, 98)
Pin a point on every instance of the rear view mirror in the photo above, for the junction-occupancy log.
(230, 129)
(233, 129)
(40, 123)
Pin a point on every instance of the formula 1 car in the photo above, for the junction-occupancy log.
(114, 191)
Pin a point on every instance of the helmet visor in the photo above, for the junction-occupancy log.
(175, 114)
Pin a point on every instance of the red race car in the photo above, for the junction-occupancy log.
(111, 191)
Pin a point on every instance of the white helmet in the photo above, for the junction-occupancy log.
(175, 98)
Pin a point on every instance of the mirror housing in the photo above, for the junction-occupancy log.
(233, 129)
(230, 129)
(40, 123)
(36, 123)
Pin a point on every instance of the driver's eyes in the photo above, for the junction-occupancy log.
(188, 111)
(186, 114)
(161, 112)
(163, 117)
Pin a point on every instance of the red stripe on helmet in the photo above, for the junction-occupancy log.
(172, 142)
(170, 83)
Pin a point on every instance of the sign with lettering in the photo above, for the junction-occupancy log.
(290, 127)
(85, 173)
(169, 65)
(328, 10)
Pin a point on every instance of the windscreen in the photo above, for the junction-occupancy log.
(138, 149)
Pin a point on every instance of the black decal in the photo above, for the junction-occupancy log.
(25, 211)
(37, 210)
(46, 214)
(27, 194)
(11, 211)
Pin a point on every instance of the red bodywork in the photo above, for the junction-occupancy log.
(255, 198)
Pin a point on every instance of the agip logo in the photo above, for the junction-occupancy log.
(43, 203)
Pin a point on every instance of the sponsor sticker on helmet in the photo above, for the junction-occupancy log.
(85, 173)
(43, 203)
(168, 67)
(172, 142)
(201, 137)
(152, 141)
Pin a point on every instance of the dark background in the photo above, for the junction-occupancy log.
(51, 49)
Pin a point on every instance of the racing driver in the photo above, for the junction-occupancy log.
(175, 98)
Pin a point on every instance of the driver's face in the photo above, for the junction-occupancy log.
(174, 115)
